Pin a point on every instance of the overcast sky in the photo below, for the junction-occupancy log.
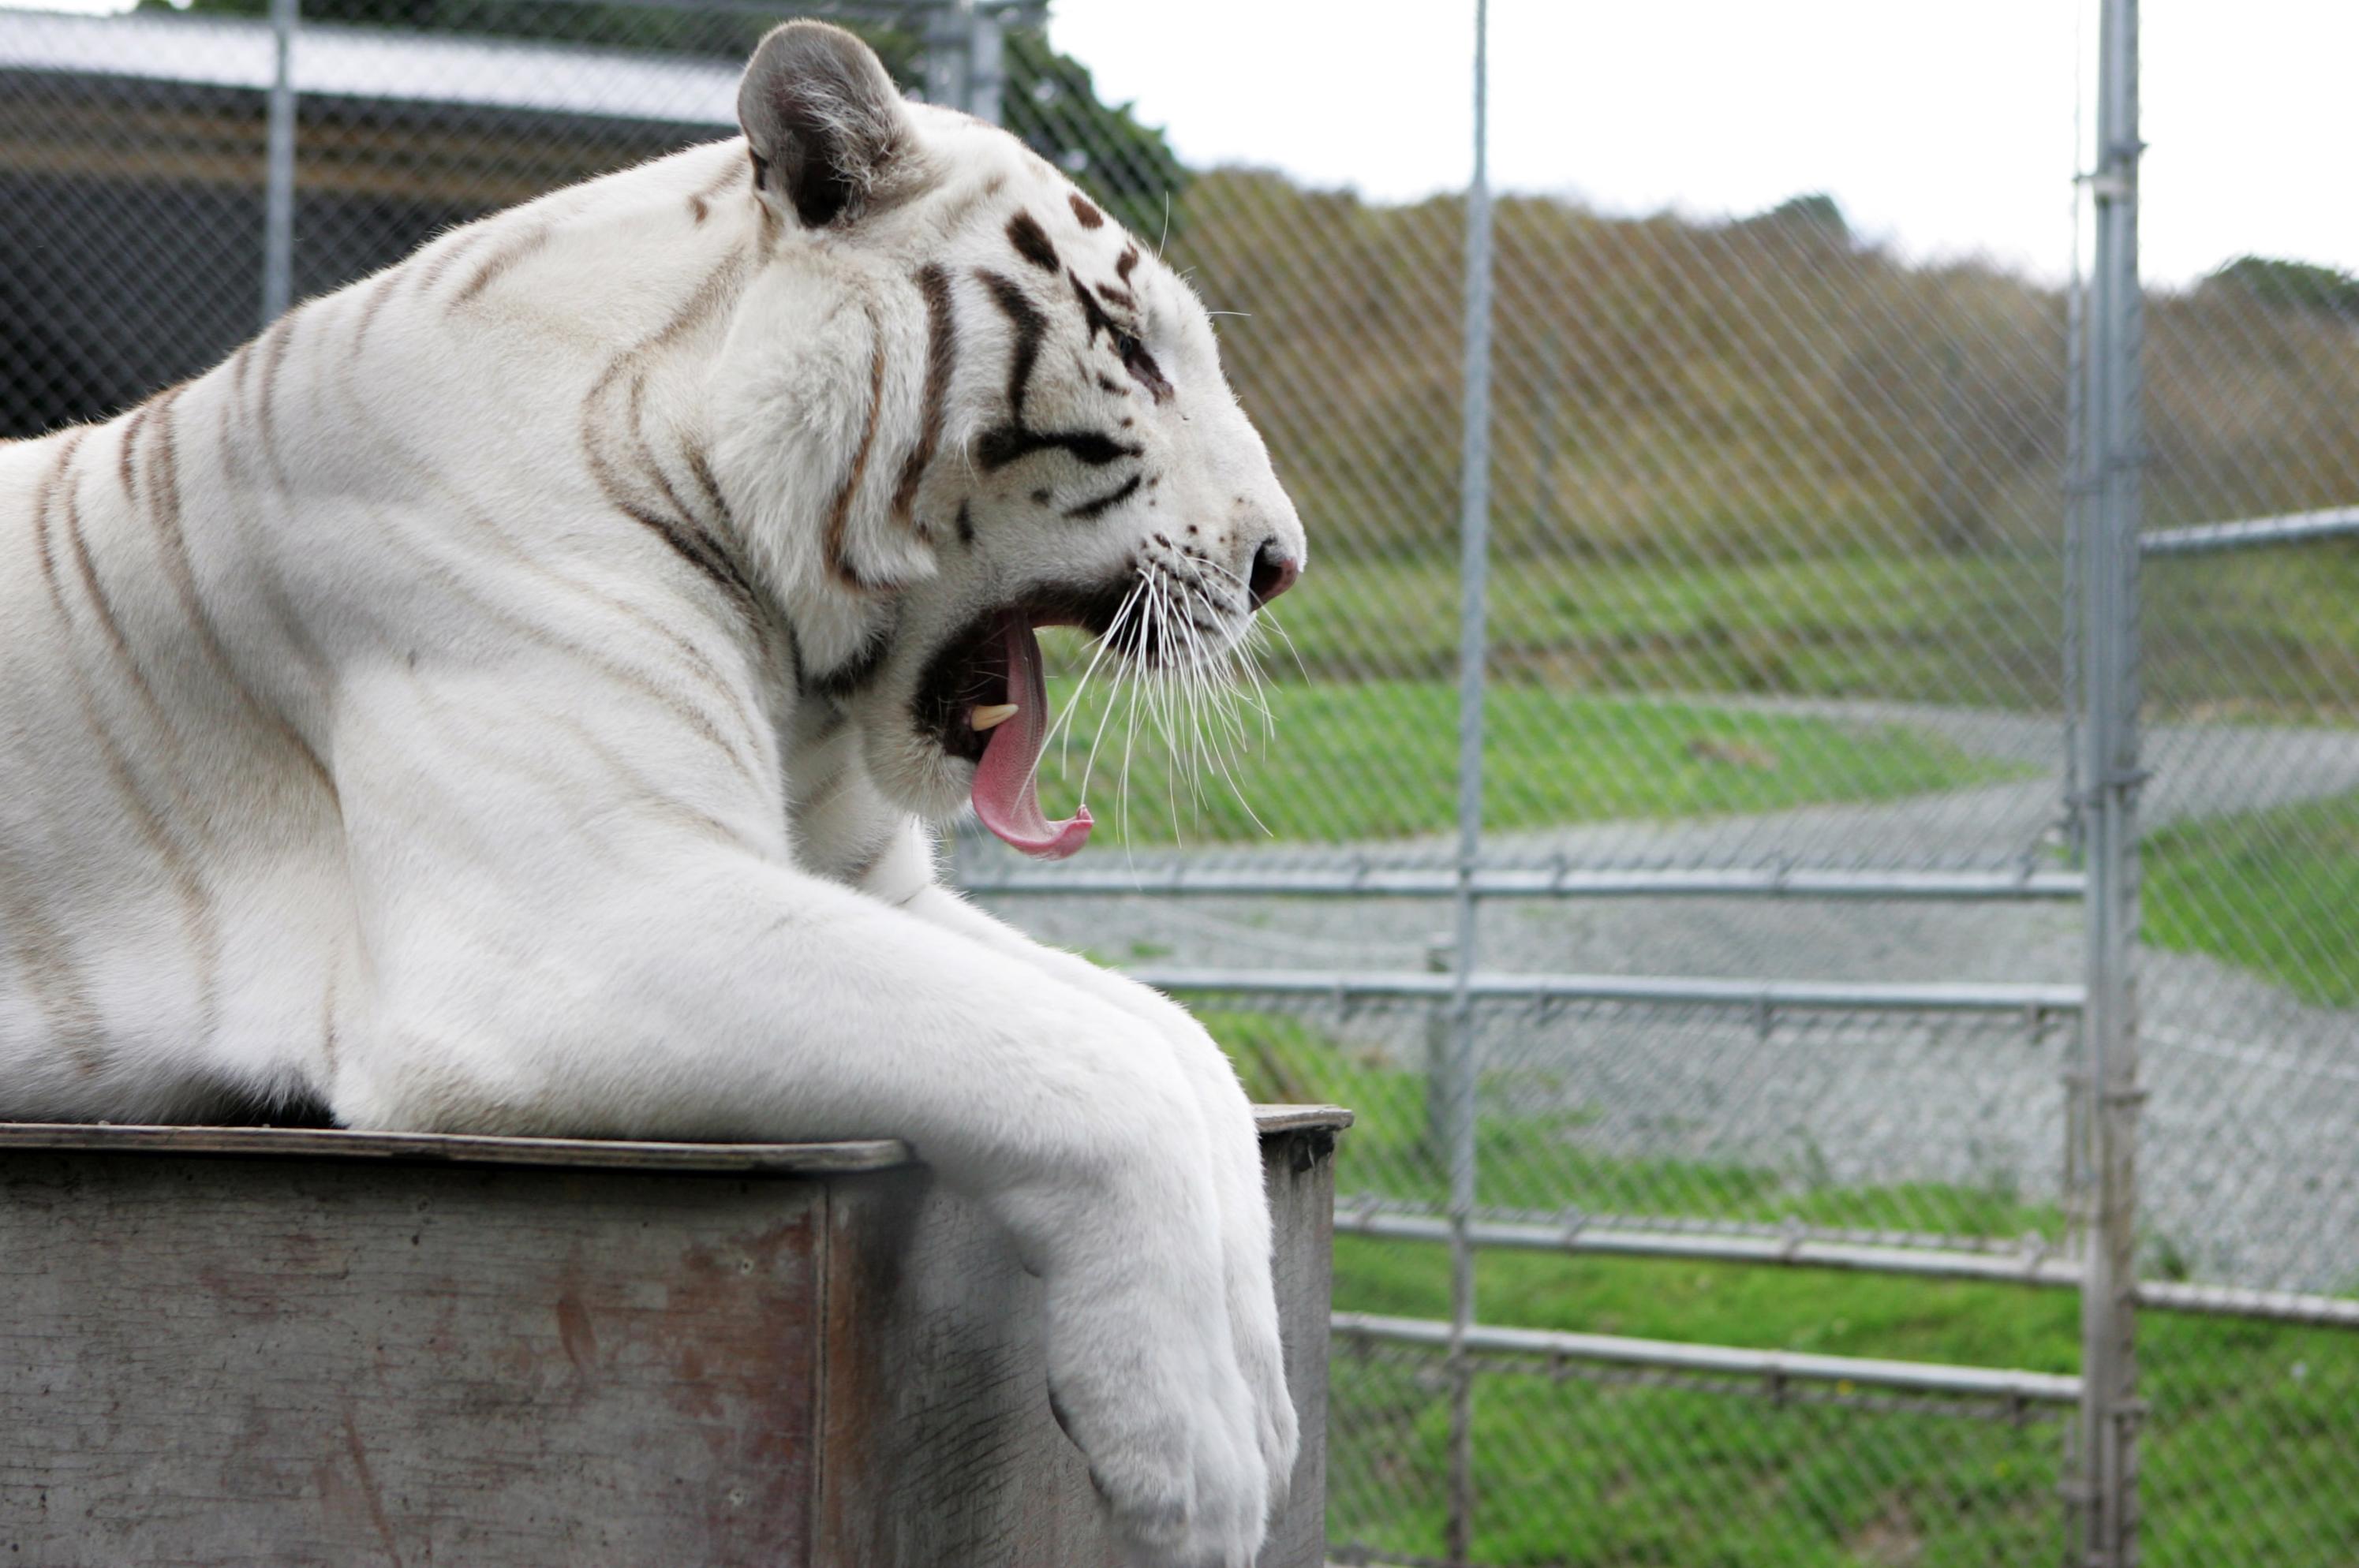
(1946, 128)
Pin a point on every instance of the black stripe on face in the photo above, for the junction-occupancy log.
(996, 449)
(941, 359)
(1031, 241)
(1099, 506)
(1004, 443)
(1030, 327)
(1093, 312)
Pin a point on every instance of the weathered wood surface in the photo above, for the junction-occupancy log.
(517, 1351)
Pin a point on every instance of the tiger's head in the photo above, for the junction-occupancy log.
(961, 403)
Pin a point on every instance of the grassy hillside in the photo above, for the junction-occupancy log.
(1760, 456)
(1729, 392)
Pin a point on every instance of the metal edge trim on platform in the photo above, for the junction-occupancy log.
(574, 1153)
(462, 1149)
(1271, 1119)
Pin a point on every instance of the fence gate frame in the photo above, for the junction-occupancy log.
(2102, 555)
(2105, 515)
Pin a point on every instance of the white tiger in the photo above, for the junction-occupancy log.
(509, 695)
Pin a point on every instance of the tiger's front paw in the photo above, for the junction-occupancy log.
(1147, 1383)
(1189, 1491)
(1261, 1360)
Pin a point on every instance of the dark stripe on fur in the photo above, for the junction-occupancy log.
(698, 548)
(1030, 327)
(435, 261)
(163, 487)
(378, 293)
(1004, 443)
(996, 449)
(500, 261)
(839, 515)
(1086, 211)
(701, 470)
(109, 624)
(275, 343)
(124, 468)
(1091, 311)
(650, 463)
(941, 359)
(1031, 241)
(699, 204)
(196, 905)
(1089, 510)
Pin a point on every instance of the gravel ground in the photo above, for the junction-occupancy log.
(2249, 1156)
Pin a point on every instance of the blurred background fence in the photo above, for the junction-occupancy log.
(1809, 798)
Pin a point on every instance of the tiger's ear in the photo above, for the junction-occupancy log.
(824, 120)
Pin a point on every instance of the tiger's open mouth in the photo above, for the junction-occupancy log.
(984, 698)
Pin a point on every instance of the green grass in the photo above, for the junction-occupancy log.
(1377, 761)
(2272, 891)
(2265, 631)
(2247, 1457)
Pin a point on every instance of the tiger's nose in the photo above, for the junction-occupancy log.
(1274, 571)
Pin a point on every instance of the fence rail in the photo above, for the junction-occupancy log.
(2005, 1262)
(1983, 1382)
(1534, 882)
(2031, 1001)
(2253, 533)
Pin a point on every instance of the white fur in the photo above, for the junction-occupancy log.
(425, 783)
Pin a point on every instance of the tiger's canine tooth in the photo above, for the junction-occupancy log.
(990, 716)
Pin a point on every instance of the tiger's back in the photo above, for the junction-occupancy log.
(179, 634)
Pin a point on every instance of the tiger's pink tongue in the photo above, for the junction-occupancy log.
(1006, 789)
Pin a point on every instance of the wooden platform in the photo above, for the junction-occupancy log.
(253, 1346)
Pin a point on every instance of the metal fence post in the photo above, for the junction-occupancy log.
(2110, 1410)
(278, 176)
(986, 72)
(949, 40)
(1475, 546)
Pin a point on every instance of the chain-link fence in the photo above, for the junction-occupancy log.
(1755, 967)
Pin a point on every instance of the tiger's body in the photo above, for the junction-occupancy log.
(512, 692)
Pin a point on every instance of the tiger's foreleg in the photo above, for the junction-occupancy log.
(655, 978)
(1233, 1154)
